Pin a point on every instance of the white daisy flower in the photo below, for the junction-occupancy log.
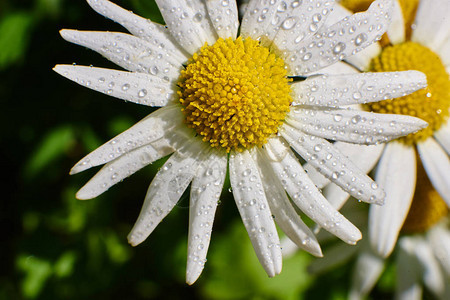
(228, 101)
(416, 40)
(425, 48)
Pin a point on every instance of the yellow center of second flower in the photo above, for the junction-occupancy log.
(430, 104)
(235, 93)
(427, 207)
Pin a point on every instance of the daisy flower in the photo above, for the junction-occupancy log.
(426, 47)
(415, 218)
(230, 101)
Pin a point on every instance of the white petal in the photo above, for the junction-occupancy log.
(122, 167)
(439, 239)
(299, 22)
(333, 256)
(341, 40)
(205, 193)
(135, 87)
(224, 17)
(150, 129)
(444, 53)
(353, 126)
(334, 165)
(138, 26)
(128, 51)
(432, 274)
(443, 136)
(258, 18)
(308, 198)
(362, 59)
(254, 209)
(437, 165)
(366, 272)
(335, 195)
(166, 189)
(188, 23)
(396, 30)
(346, 89)
(285, 215)
(432, 24)
(396, 173)
(338, 13)
(338, 68)
(365, 157)
(408, 285)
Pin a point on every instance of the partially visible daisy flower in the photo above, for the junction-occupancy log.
(425, 48)
(229, 102)
(421, 257)
(419, 38)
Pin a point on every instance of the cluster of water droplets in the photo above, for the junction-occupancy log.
(334, 91)
(345, 38)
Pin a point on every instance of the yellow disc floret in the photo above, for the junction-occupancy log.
(427, 207)
(430, 104)
(235, 93)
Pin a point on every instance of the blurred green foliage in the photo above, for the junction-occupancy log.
(57, 247)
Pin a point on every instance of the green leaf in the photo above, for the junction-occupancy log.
(53, 146)
(37, 272)
(14, 38)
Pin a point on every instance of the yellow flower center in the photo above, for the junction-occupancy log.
(430, 104)
(427, 207)
(235, 94)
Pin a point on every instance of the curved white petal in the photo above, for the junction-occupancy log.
(254, 209)
(353, 126)
(432, 275)
(396, 30)
(285, 215)
(224, 17)
(346, 89)
(366, 272)
(308, 198)
(365, 157)
(139, 88)
(432, 24)
(437, 165)
(334, 165)
(138, 26)
(300, 20)
(205, 193)
(363, 58)
(443, 136)
(333, 256)
(128, 51)
(258, 18)
(122, 167)
(153, 127)
(439, 239)
(339, 67)
(345, 38)
(166, 189)
(396, 173)
(188, 22)
(408, 285)
(338, 13)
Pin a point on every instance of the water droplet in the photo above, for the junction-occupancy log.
(338, 48)
(142, 93)
(289, 23)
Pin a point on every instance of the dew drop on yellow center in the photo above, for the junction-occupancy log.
(235, 93)
(430, 104)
